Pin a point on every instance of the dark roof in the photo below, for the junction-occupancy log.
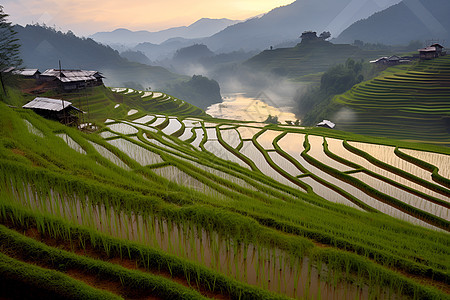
(437, 46)
(48, 104)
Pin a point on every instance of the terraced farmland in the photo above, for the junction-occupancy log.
(170, 206)
(410, 105)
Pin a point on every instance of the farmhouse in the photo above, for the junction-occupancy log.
(391, 60)
(55, 109)
(326, 124)
(73, 79)
(28, 73)
(431, 52)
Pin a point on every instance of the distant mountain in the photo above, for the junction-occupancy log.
(44, 47)
(136, 56)
(202, 28)
(166, 49)
(287, 23)
(409, 20)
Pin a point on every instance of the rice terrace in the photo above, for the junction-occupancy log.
(111, 191)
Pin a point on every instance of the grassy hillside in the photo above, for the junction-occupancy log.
(100, 103)
(411, 104)
(165, 206)
(307, 58)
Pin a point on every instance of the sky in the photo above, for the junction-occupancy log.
(85, 17)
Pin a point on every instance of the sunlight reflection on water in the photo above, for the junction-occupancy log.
(239, 106)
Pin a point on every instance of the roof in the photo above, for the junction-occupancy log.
(437, 46)
(8, 69)
(428, 49)
(48, 104)
(72, 75)
(326, 123)
(27, 72)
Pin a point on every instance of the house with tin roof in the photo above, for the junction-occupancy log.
(73, 79)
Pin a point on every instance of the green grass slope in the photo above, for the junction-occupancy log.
(411, 104)
(143, 208)
(308, 57)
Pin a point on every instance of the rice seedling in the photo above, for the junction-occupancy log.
(109, 155)
(145, 119)
(71, 143)
(230, 136)
(441, 161)
(122, 128)
(174, 126)
(33, 129)
(143, 156)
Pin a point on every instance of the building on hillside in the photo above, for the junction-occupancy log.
(431, 52)
(28, 73)
(326, 124)
(73, 79)
(7, 70)
(55, 109)
(391, 60)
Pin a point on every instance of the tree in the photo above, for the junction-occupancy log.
(271, 120)
(9, 46)
(325, 35)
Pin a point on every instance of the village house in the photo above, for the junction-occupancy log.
(28, 73)
(391, 60)
(55, 109)
(73, 79)
(431, 52)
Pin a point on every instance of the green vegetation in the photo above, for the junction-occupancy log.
(336, 80)
(403, 104)
(166, 203)
(307, 58)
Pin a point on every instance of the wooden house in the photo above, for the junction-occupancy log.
(431, 52)
(73, 79)
(28, 73)
(55, 109)
(391, 60)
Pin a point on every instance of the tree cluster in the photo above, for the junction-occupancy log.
(313, 104)
(9, 47)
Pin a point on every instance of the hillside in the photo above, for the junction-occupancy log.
(422, 20)
(411, 104)
(286, 23)
(162, 205)
(308, 57)
(44, 47)
(202, 28)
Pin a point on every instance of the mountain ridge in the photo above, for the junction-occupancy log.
(203, 27)
(401, 23)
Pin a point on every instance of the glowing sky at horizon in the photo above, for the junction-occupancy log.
(85, 17)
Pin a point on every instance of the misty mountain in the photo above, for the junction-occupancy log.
(165, 50)
(136, 56)
(409, 20)
(192, 53)
(287, 23)
(43, 48)
(202, 28)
